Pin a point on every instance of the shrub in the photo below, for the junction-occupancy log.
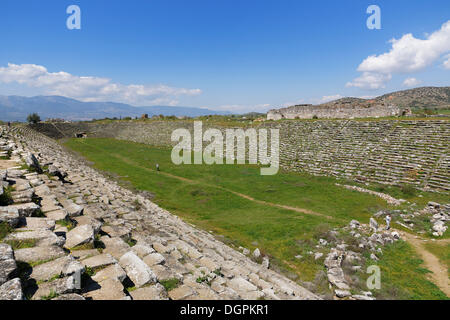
(33, 118)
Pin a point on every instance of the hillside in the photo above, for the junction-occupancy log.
(418, 98)
(16, 108)
(424, 97)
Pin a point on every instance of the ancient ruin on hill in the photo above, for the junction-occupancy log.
(339, 109)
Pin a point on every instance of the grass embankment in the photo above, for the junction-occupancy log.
(207, 196)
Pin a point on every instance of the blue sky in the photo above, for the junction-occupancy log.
(242, 55)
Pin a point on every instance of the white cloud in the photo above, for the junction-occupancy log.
(91, 88)
(325, 99)
(411, 82)
(407, 54)
(446, 63)
(370, 80)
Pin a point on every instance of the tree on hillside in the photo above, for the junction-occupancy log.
(33, 118)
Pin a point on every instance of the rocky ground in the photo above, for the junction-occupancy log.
(432, 219)
(70, 233)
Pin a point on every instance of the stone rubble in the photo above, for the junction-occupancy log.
(345, 260)
(438, 215)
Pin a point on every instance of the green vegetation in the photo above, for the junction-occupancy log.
(50, 296)
(402, 275)
(170, 284)
(38, 214)
(86, 246)
(33, 118)
(5, 229)
(69, 224)
(240, 206)
(131, 289)
(131, 242)
(407, 192)
(202, 197)
(36, 263)
(22, 244)
(204, 279)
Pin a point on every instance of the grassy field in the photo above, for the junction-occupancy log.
(402, 276)
(211, 198)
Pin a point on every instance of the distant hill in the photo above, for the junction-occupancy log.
(422, 98)
(388, 105)
(16, 108)
(418, 98)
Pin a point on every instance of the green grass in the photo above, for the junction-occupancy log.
(50, 296)
(204, 202)
(86, 246)
(440, 250)
(131, 242)
(69, 224)
(403, 276)
(5, 229)
(409, 193)
(22, 244)
(205, 198)
(170, 284)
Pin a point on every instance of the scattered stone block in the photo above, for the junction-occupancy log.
(36, 254)
(137, 270)
(154, 292)
(99, 261)
(11, 290)
(7, 262)
(79, 235)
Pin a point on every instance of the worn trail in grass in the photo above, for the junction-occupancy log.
(300, 210)
(439, 272)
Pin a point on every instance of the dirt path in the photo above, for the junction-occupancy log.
(247, 197)
(439, 274)
(300, 210)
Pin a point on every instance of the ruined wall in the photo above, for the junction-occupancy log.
(386, 151)
(323, 112)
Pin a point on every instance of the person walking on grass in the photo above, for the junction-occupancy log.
(388, 221)
(157, 167)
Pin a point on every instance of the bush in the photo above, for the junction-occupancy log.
(33, 118)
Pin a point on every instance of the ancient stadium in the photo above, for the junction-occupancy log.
(96, 209)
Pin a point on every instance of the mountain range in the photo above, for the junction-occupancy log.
(17, 108)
